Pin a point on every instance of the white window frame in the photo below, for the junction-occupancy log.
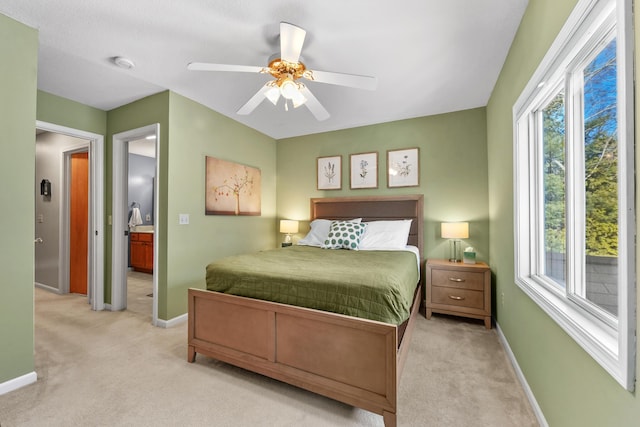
(608, 339)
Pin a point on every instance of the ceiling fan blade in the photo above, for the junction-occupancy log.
(350, 80)
(291, 41)
(314, 105)
(254, 101)
(204, 66)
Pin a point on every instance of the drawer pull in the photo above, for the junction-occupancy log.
(453, 279)
(456, 298)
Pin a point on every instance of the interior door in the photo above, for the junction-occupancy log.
(79, 223)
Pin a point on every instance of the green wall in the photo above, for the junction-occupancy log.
(570, 387)
(143, 112)
(453, 172)
(64, 112)
(195, 132)
(189, 132)
(18, 79)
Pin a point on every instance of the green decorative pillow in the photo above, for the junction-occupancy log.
(344, 235)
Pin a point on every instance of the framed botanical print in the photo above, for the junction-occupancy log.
(329, 173)
(403, 168)
(364, 170)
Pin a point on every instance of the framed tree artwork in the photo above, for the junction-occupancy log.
(231, 188)
(403, 168)
(364, 170)
(329, 171)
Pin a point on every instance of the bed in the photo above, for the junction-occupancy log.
(354, 360)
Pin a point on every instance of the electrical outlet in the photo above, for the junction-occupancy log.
(183, 219)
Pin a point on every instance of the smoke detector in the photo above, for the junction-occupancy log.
(123, 62)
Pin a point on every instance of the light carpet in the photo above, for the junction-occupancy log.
(115, 369)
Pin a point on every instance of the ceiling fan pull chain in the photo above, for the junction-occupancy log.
(286, 105)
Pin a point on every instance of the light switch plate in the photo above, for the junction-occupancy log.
(183, 219)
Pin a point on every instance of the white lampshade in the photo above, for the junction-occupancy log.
(454, 230)
(273, 94)
(288, 226)
(288, 88)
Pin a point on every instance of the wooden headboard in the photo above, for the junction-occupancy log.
(375, 208)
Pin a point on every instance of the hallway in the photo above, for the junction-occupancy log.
(140, 293)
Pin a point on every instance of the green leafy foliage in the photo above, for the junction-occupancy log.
(600, 161)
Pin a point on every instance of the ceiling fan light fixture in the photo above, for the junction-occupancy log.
(273, 94)
(288, 88)
(298, 99)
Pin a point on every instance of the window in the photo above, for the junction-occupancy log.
(574, 185)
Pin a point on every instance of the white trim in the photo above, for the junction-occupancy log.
(96, 208)
(118, 257)
(523, 380)
(173, 322)
(119, 229)
(18, 382)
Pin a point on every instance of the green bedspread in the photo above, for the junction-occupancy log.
(376, 285)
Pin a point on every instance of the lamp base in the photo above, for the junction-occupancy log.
(454, 251)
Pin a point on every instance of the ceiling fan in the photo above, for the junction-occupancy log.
(287, 69)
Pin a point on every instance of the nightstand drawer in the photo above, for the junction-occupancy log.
(457, 297)
(458, 279)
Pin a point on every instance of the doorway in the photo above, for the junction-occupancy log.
(145, 230)
(59, 237)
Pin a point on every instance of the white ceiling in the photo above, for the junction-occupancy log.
(143, 147)
(429, 56)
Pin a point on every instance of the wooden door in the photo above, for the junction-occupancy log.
(79, 223)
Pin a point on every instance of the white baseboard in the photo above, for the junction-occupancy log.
(47, 288)
(18, 382)
(523, 381)
(163, 323)
(173, 322)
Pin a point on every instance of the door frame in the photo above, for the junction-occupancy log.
(120, 229)
(95, 288)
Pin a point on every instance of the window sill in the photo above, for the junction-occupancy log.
(597, 338)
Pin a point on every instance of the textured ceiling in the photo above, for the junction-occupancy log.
(429, 56)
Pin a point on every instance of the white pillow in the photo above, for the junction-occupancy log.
(319, 232)
(386, 235)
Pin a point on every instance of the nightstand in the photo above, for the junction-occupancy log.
(458, 289)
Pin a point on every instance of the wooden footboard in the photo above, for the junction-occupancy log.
(352, 360)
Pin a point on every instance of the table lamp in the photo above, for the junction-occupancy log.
(288, 227)
(454, 231)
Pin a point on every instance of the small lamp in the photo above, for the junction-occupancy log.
(454, 231)
(288, 226)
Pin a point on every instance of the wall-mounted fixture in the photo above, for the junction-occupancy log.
(288, 226)
(45, 188)
(454, 231)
